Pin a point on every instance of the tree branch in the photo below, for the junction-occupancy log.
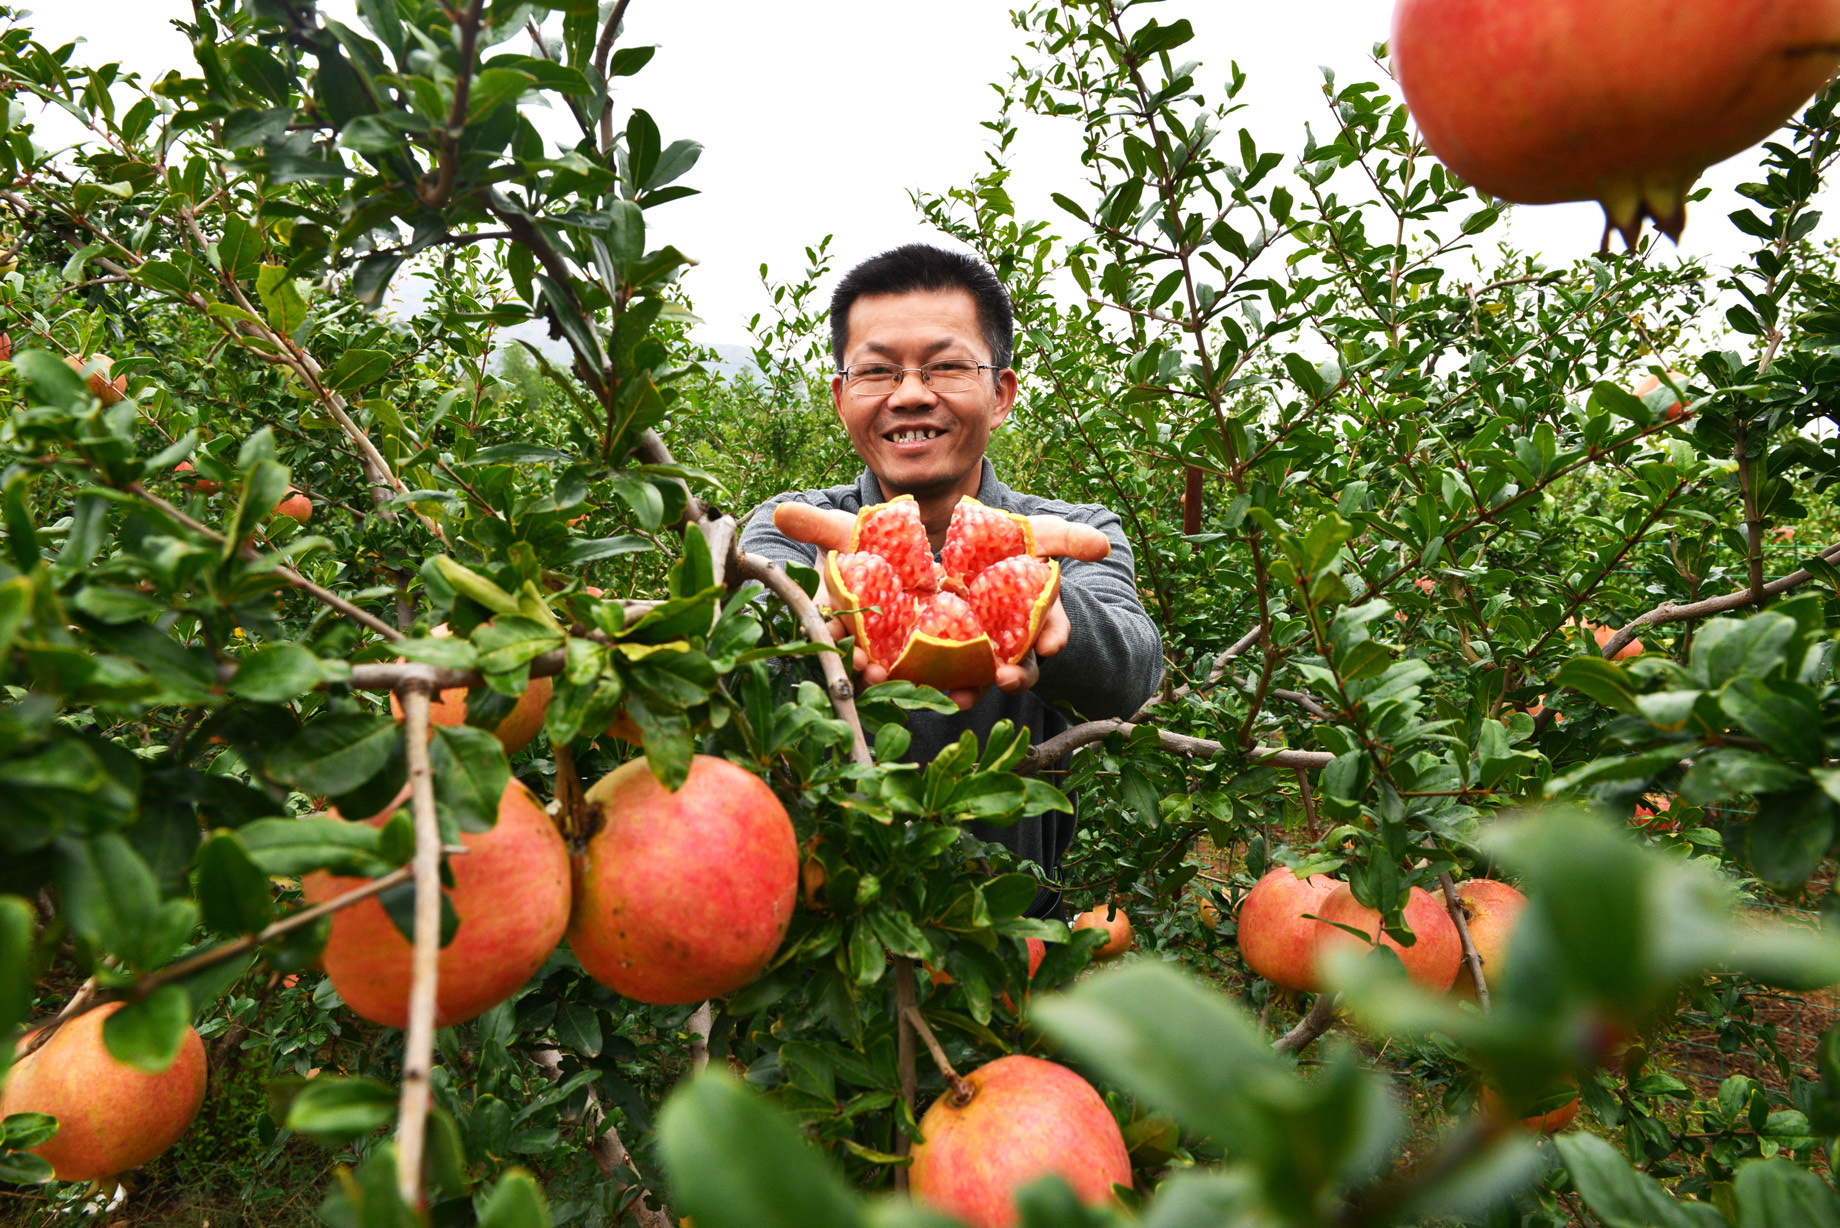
(249, 553)
(1320, 1019)
(904, 1056)
(811, 622)
(603, 51)
(418, 1041)
(1046, 754)
(443, 190)
(1470, 955)
(1668, 612)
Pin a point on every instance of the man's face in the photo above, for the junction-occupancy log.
(915, 439)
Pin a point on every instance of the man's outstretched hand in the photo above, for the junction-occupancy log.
(829, 530)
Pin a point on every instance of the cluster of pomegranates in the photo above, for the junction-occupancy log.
(1288, 924)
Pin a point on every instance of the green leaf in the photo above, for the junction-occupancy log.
(476, 587)
(240, 248)
(332, 1110)
(18, 924)
(23, 1168)
(358, 369)
(493, 88)
(1775, 1193)
(592, 550)
(275, 674)
(733, 1162)
(1620, 1196)
(1782, 714)
(281, 298)
(147, 1034)
(336, 754)
(164, 275)
(233, 892)
(515, 1202)
(299, 846)
(264, 484)
(471, 775)
(22, 1130)
(1605, 681)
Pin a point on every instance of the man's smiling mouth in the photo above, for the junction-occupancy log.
(916, 434)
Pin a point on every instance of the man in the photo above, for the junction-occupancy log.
(923, 432)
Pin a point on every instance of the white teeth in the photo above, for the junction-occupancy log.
(914, 436)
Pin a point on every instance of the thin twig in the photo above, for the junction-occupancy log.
(904, 1055)
(418, 1041)
(324, 596)
(79, 1002)
(1460, 917)
(961, 1091)
(699, 1025)
(443, 190)
(1308, 798)
(1046, 754)
(836, 678)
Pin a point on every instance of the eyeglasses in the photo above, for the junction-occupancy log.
(878, 379)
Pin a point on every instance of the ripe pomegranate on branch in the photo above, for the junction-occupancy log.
(1623, 102)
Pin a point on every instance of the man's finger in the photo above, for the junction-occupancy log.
(1063, 539)
(826, 528)
(967, 697)
(1055, 630)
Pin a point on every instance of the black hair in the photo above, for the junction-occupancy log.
(921, 267)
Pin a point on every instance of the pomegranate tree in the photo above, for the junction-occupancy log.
(511, 893)
(1623, 102)
(949, 623)
(1021, 1118)
(111, 1116)
(683, 896)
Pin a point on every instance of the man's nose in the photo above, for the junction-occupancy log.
(912, 393)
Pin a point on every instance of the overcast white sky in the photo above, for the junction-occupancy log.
(780, 94)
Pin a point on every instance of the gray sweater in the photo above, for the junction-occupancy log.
(1112, 663)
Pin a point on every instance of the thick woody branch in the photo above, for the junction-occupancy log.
(1460, 916)
(811, 622)
(1669, 612)
(698, 1025)
(437, 195)
(1048, 753)
(1320, 1019)
(248, 552)
(424, 960)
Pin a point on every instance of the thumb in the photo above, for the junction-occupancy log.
(1057, 538)
(825, 528)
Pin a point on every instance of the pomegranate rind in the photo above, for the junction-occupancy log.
(1029, 1118)
(111, 1116)
(1540, 101)
(511, 892)
(684, 896)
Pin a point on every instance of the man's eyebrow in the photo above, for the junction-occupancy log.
(944, 343)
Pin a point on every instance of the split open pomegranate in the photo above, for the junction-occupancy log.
(946, 623)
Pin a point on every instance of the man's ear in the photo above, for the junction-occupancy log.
(1006, 397)
(837, 397)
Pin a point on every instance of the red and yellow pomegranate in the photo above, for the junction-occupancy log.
(514, 733)
(511, 893)
(1025, 1119)
(1492, 909)
(1277, 932)
(111, 1116)
(195, 480)
(947, 624)
(95, 370)
(683, 896)
(6, 347)
(1431, 961)
(1623, 102)
(1550, 1122)
(1654, 381)
(296, 506)
(1110, 920)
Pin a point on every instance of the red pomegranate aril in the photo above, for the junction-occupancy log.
(1002, 597)
(894, 531)
(978, 537)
